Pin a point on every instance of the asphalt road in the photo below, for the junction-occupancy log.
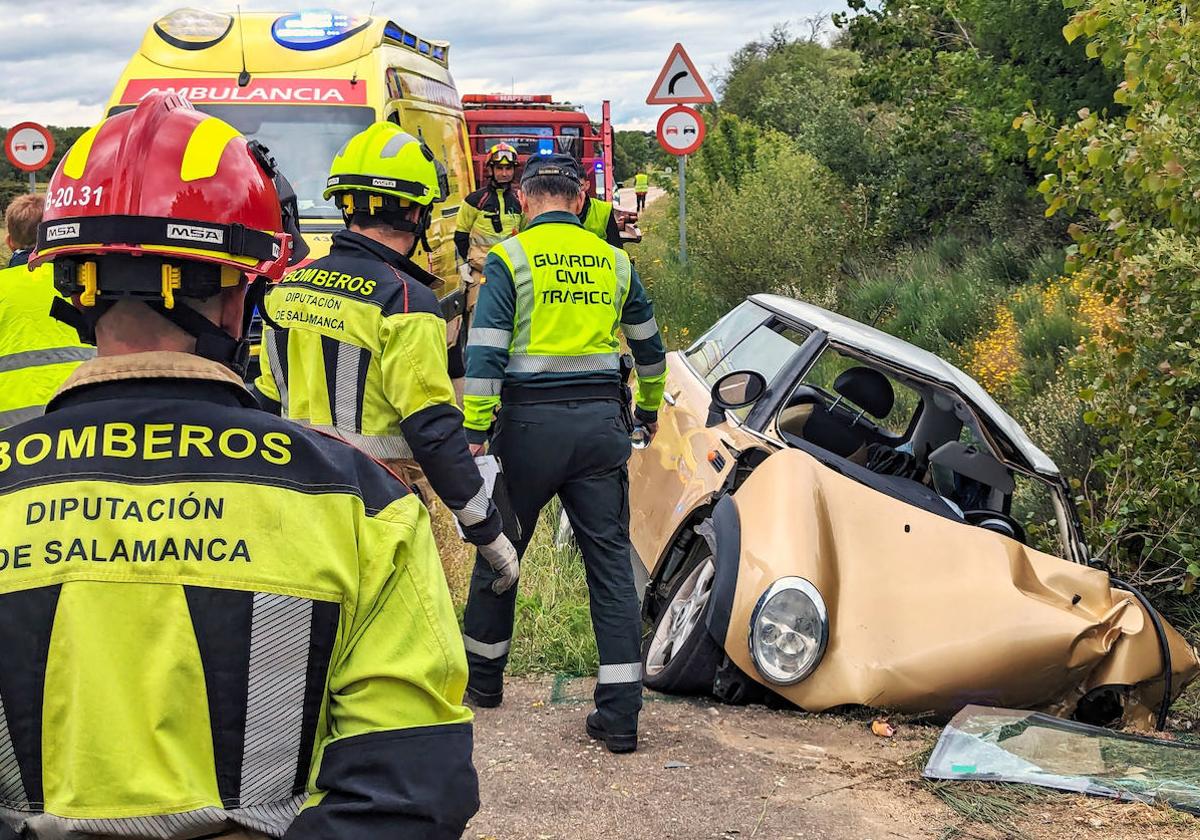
(711, 771)
(626, 200)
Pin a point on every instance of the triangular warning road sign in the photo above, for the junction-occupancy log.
(679, 83)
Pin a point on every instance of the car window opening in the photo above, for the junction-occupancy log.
(913, 441)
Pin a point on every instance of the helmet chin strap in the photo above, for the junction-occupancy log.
(212, 342)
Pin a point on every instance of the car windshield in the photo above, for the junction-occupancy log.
(526, 138)
(303, 139)
(711, 347)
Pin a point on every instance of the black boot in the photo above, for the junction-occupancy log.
(623, 743)
(483, 699)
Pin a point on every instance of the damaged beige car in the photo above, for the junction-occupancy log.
(838, 517)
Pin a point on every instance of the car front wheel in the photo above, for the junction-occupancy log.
(679, 655)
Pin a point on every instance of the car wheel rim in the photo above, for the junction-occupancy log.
(680, 617)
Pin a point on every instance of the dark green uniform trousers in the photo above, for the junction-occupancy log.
(578, 450)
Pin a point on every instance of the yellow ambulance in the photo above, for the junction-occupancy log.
(302, 84)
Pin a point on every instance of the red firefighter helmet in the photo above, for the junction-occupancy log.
(161, 202)
(167, 181)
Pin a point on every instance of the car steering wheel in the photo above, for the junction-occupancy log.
(994, 520)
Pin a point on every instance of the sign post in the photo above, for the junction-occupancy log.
(29, 146)
(680, 128)
(683, 209)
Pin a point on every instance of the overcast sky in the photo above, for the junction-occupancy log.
(59, 59)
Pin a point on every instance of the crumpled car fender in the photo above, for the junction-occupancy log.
(927, 613)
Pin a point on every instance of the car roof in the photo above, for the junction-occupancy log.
(921, 362)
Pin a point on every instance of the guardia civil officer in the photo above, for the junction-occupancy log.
(355, 344)
(215, 623)
(543, 351)
(36, 352)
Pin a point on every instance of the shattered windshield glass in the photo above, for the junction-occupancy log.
(1004, 745)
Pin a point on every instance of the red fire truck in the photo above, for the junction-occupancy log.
(537, 125)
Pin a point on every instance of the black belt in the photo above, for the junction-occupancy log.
(513, 394)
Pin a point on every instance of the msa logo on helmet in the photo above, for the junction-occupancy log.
(70, 231)
(383, 182)
(195, 233)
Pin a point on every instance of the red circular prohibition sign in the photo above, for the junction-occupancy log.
(681, 130)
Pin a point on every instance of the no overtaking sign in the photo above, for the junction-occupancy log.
(29, 146)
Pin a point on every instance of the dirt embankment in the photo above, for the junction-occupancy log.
(711, 771)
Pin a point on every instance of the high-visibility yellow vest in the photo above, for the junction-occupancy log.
(37, 353)
(488, 216)
(641, 182)
(571, 288)
(598, 214)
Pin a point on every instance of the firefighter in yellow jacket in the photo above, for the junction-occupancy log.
(355, 345)
(214, 622)
(36, 352)
(489, 215)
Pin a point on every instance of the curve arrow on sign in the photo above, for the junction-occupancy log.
(679, 82)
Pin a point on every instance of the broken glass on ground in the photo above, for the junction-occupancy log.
(990, 744)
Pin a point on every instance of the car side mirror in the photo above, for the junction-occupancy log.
(734, 390)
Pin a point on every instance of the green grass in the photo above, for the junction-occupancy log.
(553, 632)
(942, 294)
(554, 625)
(1183, 611)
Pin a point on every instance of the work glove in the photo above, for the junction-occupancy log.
(464, 271)
(502, 557)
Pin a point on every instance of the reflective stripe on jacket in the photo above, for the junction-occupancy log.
(361, 354)
(212, 618)
(486, 218)
(37, 353)
(548, 314)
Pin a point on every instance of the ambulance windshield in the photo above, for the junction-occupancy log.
(303, 139)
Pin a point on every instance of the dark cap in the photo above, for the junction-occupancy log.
(539, 165)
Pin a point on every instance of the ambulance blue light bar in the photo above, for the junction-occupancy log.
(439, 52)
(315, 29)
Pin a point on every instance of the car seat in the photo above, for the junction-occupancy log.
(812, 420)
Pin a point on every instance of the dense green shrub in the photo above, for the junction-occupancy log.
(744, 239)
(950, 76)
(1132, 182)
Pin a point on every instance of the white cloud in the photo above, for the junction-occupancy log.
(60, 66)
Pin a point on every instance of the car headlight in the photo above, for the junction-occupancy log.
(788, 631)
